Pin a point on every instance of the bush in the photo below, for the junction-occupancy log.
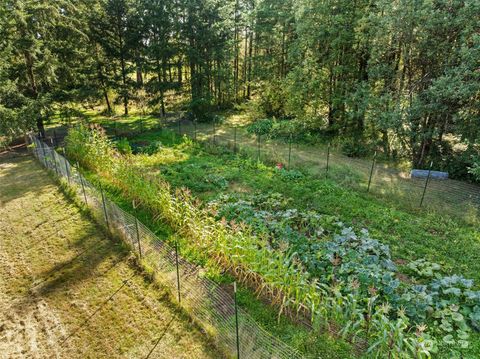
(201, 109)
(352, 147)
(123, 146)
(261, 127)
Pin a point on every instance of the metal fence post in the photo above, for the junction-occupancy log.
(258, 147)
(178, 271)
(67, 170)
(426, 183)
(235, 139)
(289, 151)
(328, 160)
(105, 208)
(83, 185)
(138, 237)
(371, 171)
(236, 318)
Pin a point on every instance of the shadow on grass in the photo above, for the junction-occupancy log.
(15, 178)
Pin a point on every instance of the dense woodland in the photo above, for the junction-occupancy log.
(401, 77)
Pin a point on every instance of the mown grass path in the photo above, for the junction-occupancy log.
(68, 291)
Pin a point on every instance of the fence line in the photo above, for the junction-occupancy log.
(458, 198)
(453, 196)
(232, 329)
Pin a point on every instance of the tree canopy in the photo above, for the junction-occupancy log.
(401, 77)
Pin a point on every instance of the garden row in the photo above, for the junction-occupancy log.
(303, 261)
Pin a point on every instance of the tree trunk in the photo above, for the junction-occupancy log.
(33, 87)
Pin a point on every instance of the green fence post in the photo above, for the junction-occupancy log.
(178, 271)
(371, 171)
(180, 127)
(138, 237)
(328, 160)
(236, 318)
(195, 130)
(426, 183)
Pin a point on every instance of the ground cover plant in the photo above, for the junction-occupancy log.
(252, 244)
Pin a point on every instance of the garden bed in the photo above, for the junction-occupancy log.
(181, 163)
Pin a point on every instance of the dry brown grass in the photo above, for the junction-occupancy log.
(68, 291)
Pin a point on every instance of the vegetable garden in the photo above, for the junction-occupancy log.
(313, 262)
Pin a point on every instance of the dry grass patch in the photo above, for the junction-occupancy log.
(66, 290)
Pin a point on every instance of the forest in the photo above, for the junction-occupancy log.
(398, 77)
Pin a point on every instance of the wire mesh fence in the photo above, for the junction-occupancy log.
(213, 307)
(457, 198)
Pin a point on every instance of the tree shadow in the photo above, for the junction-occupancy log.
(95, 257)
(16, 177)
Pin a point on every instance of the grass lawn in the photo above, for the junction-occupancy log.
(66, 290)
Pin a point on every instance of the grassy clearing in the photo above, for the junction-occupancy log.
(66, 290)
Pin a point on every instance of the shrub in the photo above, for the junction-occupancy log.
(261, 127)
(201, 109)
(123, 146)
(352, 147)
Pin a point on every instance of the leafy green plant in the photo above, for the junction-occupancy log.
(305, 261)
(123, 146)
(290, 175)
(261, 127)
(423, 268)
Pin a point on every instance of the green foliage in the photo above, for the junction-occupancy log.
(152, 148)
(90, 147)
(261, 127)
(123, 146)
(423, 268)
(359, 266)
(201, 109)
(272, 100)
(475, 169)
(354, 148)
(290, 175)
